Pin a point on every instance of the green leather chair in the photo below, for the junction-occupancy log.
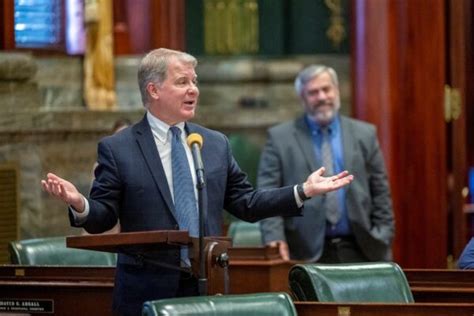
(53, 251)
(261, 304)
(352, 282)
(245, 234)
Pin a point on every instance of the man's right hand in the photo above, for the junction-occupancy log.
(63, 190)
(282, 248)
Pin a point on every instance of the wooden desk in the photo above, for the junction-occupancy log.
(373, 309)
(440, 285)
(78, 291)
(66, 290)
(253, 270)
(261, 270)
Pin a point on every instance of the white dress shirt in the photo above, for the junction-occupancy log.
(162, 136)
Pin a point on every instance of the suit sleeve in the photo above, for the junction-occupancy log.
(270, 176)
(383, 226)
(105, 194)
(248, 204)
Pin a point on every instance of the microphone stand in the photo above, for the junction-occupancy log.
(195, 142)
(202, 282)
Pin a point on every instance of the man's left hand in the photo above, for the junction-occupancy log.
(317, 184)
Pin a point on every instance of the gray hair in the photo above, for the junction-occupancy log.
(153, 68)
(311, 72)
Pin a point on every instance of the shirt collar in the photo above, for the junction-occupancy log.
(160, 129)
(316, 128)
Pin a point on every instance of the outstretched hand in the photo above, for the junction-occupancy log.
(63, 190)
(317, 184)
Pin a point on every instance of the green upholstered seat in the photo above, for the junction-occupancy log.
(53, 251)
(261, 304)
(245, 234)
(354, 282)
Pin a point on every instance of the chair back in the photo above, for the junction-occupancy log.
(261, 304)
(53, 251)
(353, 282)
(245, 234)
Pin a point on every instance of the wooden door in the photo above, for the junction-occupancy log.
(399, 73)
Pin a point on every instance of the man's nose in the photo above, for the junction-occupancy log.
(193, 89)
(322, 95)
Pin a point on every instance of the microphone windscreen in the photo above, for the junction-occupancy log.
(194, 138)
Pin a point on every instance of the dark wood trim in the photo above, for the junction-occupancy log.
(7, 34)
(121, 28)
(82, 290)
(458, 19)
(469, 50)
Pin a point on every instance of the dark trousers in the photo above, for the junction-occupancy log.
(135, 285)
(342, 250)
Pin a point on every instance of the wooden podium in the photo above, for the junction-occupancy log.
(215, 250)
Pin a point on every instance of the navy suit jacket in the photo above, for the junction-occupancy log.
(130, 185)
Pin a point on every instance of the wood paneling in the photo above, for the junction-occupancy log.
(159, 25)
(121, 30)
(140, 26)
(7, 34)
(398, 84)
(168, 26)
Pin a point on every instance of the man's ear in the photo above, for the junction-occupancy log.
(153, 91)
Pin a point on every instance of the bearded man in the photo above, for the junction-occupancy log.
(355, 224)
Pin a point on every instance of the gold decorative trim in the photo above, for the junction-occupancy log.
(336, 31)
(231, 26)
(452, 103)
(343, 311)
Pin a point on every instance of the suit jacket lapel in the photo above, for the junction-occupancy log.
(349, 147)
(303, 139)
(348, 143)
(147, 145)
(193, 128)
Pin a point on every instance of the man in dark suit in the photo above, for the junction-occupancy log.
(351, 225)
(136, 183)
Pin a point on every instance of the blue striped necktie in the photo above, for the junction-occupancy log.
(183, 191)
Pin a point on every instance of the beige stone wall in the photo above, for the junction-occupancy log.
(44, 125)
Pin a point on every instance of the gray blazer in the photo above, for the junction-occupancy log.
(288, 158)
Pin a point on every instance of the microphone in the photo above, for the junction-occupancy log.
(195, 141)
